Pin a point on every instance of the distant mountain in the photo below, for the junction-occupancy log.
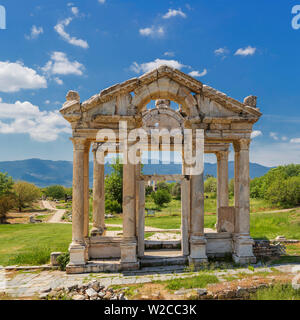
(45, 172)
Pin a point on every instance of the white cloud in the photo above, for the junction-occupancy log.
(148, 66)
(154, 32)
(46, 102)
(14, 76)
(75, 11)
(248, 51)
(274, 154)
(169, 54)
(26, 118)
(35, 32)
(274, 136)
(295, 140)
(60, 64)
(222, 52)
(284, 138)
(174, 13)
(58, 81)
(198, 74)
(101, 1)
(60, 29)
(255, 134)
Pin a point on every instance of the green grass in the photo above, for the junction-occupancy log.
(32, 244)
(277, 292)
(270, 225)
(169, 217)
(199, 281)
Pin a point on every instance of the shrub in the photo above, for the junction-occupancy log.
(163, 186)
(63, 260)
(161, 197)
(176, 191)
(149, 190)
(55, 192)
(210, 185)
(114, 183)
(112, 206)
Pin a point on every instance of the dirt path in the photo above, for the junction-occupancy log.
(277, 211)
(56, 218)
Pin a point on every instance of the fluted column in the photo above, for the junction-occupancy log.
(222, 184)
(86, 189)
(222, 188)
(129, 243)
(197, 239)
(78, 247)
(243, 243)
(98, 194)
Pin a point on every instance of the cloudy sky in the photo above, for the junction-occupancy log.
(238, 47)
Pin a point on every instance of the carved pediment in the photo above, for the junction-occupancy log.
(130, 98)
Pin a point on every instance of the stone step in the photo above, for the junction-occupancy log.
(153, 261)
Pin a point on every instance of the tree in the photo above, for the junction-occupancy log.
(163, 186)
(161, 197)
(7, 198)
(231, 187)
(210, 185)
(176, 191)
(279, 185)
(114, 183)
(55, 192)
(148, 190)
(25, 193)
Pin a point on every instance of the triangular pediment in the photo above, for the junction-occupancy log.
(166, 83)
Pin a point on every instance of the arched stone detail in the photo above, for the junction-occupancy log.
(165, 88)
(166, 117)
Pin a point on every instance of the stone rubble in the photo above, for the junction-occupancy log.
(91, 291)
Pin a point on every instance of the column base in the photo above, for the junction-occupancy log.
(128, 266)
(98, 232)
(128, 253)
(197, 263)
(198, 250)
(78, 254)
(243, 249)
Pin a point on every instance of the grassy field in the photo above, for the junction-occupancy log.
(277, 292)
(32, 244)
(26, 244)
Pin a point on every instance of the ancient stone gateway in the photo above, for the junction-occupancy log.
(219, 120)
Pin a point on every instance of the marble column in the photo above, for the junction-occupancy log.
(98, 194)
(243, 243)
(129, 243)
(86, 189)
(197, 239)
(78, 247)
(222, 183)
(185, 215)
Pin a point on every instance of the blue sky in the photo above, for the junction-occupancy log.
(238, 47)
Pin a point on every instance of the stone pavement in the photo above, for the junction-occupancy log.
(31, 283)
